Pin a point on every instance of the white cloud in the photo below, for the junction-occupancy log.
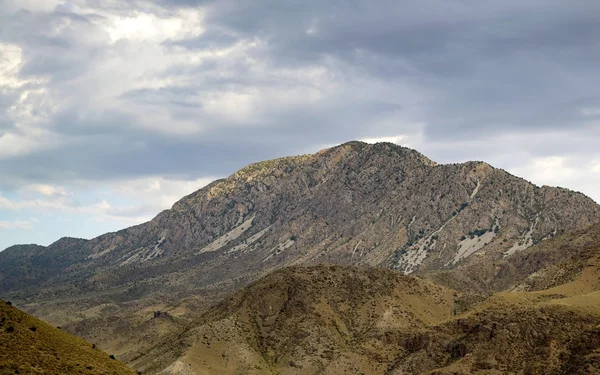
(11, 60)
(14, 145)
(31, 5)
(18, 224)
(572, 172)
(162, 192)
(151, 27)
(399, 139)
(139, 199)
(550, 170)
(45, 189)
(590, 111)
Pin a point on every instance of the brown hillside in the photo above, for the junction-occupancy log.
(30, 346)
(305, 320)
(337, 319)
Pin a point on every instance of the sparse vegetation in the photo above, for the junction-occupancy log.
(331, 201)
(477, 232)
(31, 346)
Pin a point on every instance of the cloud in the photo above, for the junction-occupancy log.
(137, 200)
(46, 190)
(18, 224)
(96, 92)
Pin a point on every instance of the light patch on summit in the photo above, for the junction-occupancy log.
(228, 237)
(179, 367)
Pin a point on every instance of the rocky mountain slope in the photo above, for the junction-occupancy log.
(356, 204)
(543, 266)
(30, 346)
(380, 205)
(339, 319)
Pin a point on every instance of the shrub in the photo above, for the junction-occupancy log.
(111, 356)
(477, 232)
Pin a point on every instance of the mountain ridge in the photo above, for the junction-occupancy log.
(378, 205)
(255, 165)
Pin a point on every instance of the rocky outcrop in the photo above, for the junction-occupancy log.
(379, 205)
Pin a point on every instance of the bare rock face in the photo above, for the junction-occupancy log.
(379, 205)
(468, 226)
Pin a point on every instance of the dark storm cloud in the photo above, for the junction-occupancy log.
(516, 66)
(463, 70)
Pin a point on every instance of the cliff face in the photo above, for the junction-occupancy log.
(380, 205)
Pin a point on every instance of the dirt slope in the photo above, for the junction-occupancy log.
(30, 346)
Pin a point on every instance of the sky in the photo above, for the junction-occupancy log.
(110, 111)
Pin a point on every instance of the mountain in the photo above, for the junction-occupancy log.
(381, 204)
(30, 346)
(356, 204)
(304, 320)
(546, 265)
(340, 319)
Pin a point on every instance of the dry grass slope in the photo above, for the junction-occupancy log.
(308, 320)
(30, 346)
(338, 319)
